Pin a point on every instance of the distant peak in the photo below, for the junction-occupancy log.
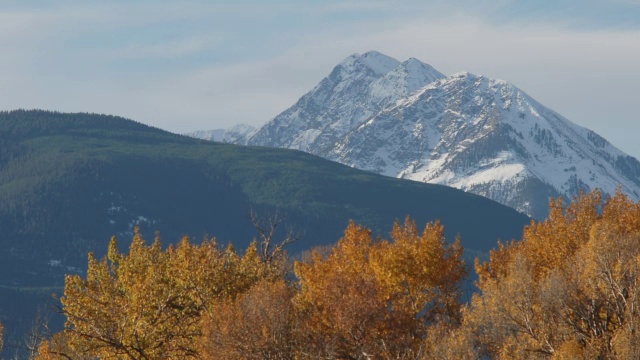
(463, 74)
(373, 53)
(241, 127)
(414, 61)
(379, 63)
(467, 76)
(415, 65)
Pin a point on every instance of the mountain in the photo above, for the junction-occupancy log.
(68, 182)
(358, 88)
(470, 132)
(488, 137)
(237, 134)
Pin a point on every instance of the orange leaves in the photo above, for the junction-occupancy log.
(379, 297)
(549, 243)
(364, 298)
(259, 324)
(569, 289)
(497, 267)
(416, 270)
(622, 214)
(149, 303)
(339, 296)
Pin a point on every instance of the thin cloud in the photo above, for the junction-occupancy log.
(627, 2)
(170, 49)
(246, 61)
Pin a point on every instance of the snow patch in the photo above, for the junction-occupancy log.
(379, 63)
(54, 263)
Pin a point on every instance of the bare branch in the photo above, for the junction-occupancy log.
(267, 225)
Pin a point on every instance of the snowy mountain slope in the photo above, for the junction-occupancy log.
(488, 137)
(470, 132)
(357, 88)
(237, 134)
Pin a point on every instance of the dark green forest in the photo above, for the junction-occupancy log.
(68, 182)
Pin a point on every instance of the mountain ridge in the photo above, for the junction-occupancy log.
(78, 179)
(69, 182)
(474, 133)
(357, 88)
(237, 134)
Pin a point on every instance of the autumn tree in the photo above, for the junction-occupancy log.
(364, 299)
(377, 298)
(149, 303)
(56, 348)
(570, 289)
(259, 324)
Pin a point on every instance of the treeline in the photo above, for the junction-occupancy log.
(570, 289)
(20, 124)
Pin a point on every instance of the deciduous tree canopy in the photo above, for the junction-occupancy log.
(570, 289)
(379, 297)
(367, 298)
(148, 304)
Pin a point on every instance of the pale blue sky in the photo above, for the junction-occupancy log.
(189, 65)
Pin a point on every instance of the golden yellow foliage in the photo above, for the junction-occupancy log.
(149, 303)
(259, 324)
(420, 269)
(363, 299)
(57, 348)
(449, 342)
(569, 290)
(378, 298)
(550, 243)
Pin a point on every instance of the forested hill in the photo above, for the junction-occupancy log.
(68, 182)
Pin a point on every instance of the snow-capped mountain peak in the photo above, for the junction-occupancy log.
(370, 64)
(356, 89)
(417, 74)
(405, 79)
(377, 62)
(486, 136)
